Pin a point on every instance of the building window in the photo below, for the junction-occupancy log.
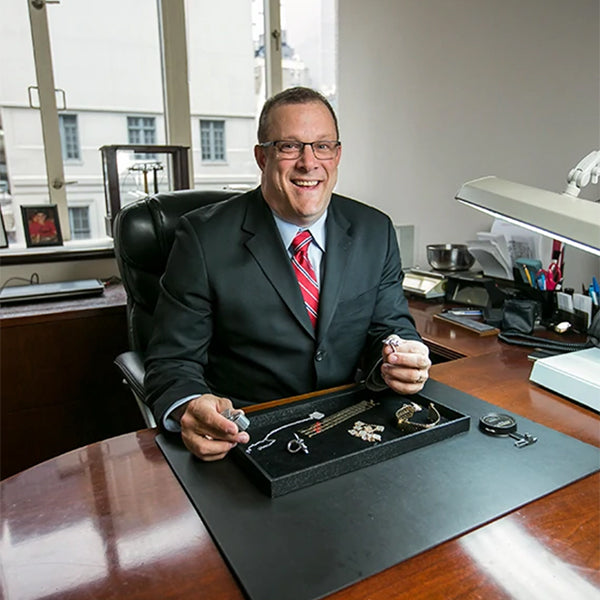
(212, 140)
(79, 220)
(69, 137)
(142, 130)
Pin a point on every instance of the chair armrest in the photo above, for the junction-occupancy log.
(131, 366)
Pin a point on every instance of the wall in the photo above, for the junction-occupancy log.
(433, 93)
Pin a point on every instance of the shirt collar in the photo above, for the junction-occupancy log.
(288, 230)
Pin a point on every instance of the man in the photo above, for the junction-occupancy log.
(42, 229)
(233, 324)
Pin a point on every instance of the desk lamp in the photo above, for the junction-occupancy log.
(563, 217)
(571, 220)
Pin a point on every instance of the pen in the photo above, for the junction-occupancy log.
(541, 281)
(527, 275)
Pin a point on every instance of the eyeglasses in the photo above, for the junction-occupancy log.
(323, 149)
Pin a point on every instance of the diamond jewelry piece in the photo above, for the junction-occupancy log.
(366, 432)
(393, 341)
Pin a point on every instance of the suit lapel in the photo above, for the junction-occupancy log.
(339, 243)
(265, 245)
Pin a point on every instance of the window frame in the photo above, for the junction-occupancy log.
(74, 230)
(212, 156)
(64, 142)
(142, 129)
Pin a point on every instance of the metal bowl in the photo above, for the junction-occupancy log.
(449, 257)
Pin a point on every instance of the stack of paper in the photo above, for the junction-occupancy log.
(497, 250)
(491, 252)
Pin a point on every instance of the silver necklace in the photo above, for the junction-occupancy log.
(268, 441)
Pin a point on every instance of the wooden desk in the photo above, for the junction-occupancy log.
(60, 388)
(110, 520)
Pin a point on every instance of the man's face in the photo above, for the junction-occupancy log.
(298, 190)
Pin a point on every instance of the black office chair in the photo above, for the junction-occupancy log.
(143, 235)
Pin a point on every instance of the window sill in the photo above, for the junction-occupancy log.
(75, 250)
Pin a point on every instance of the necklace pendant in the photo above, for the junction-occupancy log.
(297, 444)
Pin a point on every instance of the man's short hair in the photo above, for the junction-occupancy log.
(295, 95)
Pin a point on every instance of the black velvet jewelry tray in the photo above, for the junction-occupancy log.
(276, 471)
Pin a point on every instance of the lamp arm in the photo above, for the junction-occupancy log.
(588, 169)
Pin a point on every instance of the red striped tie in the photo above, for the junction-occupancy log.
(305, 274)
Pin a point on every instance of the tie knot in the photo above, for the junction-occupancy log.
(301, 241)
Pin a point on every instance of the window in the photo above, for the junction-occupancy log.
(113, 101)
(309, 54)
(212, 140)
(92, 110)
(69, 137)
(142, 130)
(79, 220)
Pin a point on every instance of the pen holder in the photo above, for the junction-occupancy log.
(546, 298)
(527, 269)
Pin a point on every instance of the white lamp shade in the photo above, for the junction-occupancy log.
(573, 220)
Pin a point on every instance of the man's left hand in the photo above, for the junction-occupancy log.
(405, 366)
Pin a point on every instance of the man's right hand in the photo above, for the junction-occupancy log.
(206, 433)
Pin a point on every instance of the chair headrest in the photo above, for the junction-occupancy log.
(144, 230)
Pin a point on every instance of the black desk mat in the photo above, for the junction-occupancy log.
(317, 540)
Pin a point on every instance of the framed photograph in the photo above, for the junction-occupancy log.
(41, 224)
(3, 235)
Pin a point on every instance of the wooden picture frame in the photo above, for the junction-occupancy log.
(42, 226)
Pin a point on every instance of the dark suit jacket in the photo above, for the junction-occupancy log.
(231, 319)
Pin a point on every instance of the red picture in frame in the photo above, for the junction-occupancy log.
(42, 227)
